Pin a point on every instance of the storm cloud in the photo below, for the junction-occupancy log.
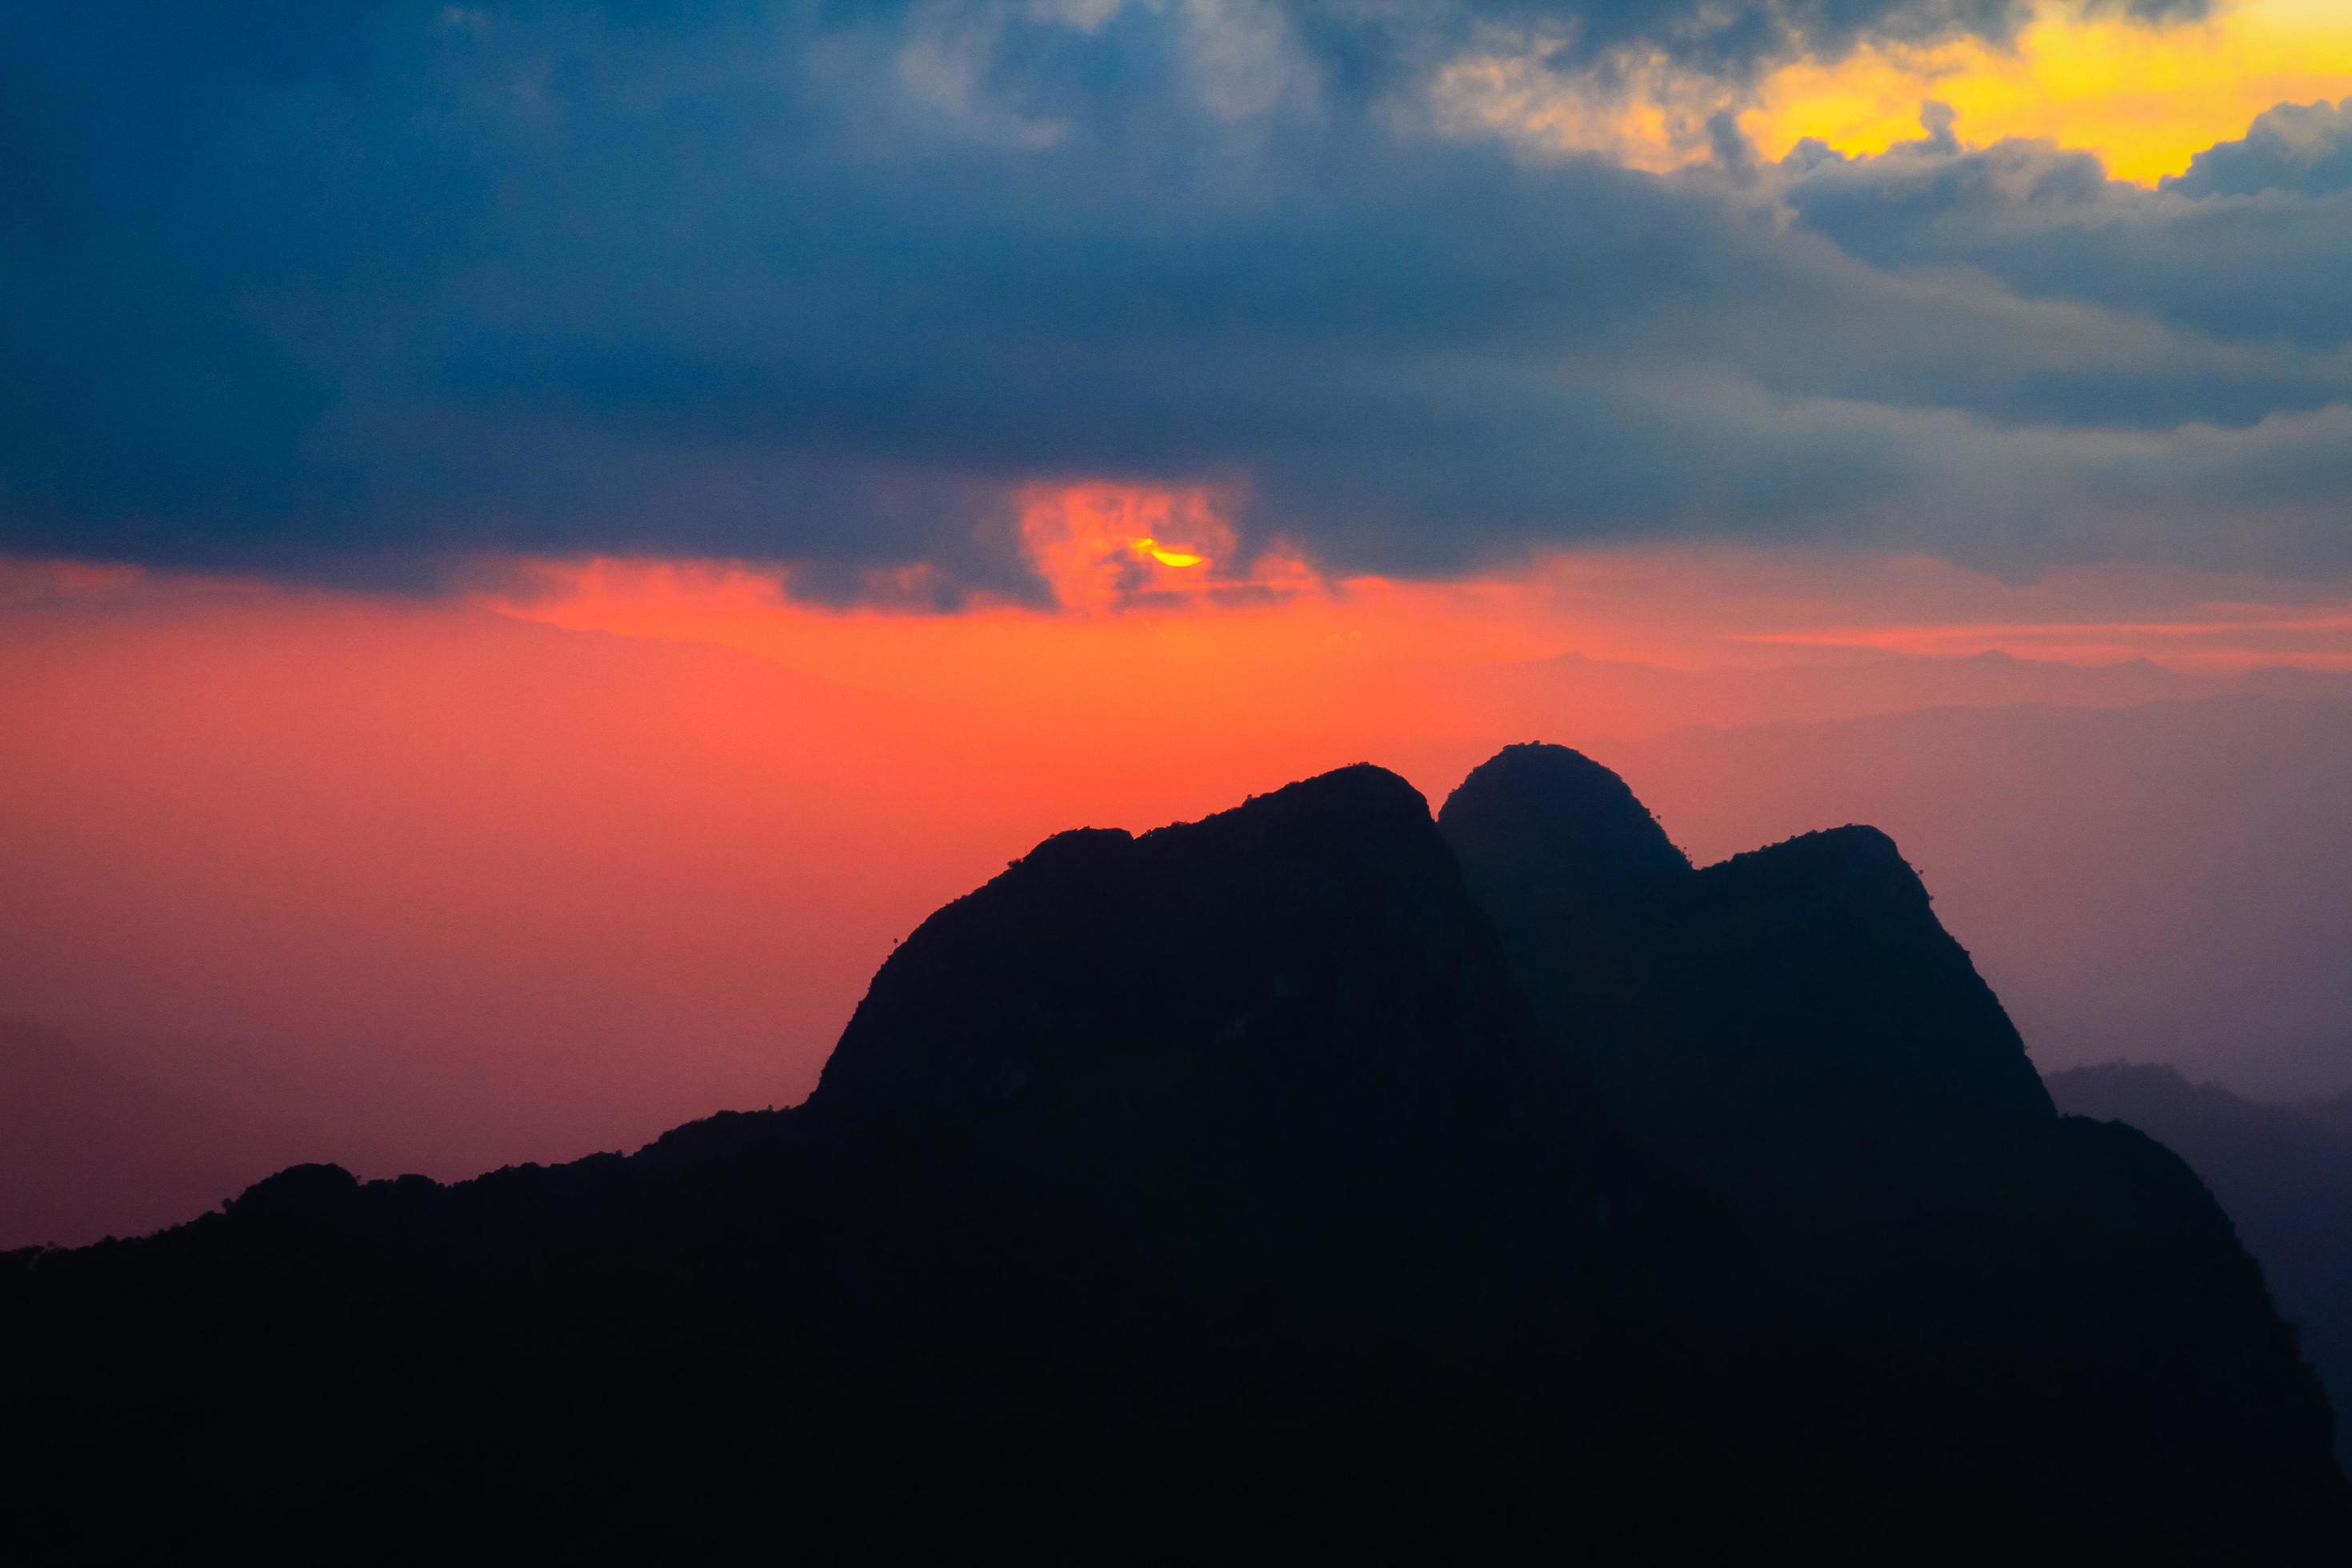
(370, 292)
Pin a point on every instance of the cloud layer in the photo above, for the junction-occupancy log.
(370, 292)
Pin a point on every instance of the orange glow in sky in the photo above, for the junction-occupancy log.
(626, 841)
(1151, 592)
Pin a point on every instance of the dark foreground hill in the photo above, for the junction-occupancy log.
(2282, 1172)
(1225, 1190)
(88, 1149)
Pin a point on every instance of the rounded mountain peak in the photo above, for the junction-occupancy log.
(1841, 859)
(1324, 924)
(1560, 818)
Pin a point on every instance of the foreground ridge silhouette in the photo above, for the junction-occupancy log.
(1308, 1180)
(2284, 1173)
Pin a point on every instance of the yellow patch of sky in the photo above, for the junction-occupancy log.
(2145, 99)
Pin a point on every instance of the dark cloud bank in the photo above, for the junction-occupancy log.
(363, 291)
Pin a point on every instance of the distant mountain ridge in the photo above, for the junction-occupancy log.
(1318, 1176)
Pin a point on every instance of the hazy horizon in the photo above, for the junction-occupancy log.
(427, 887)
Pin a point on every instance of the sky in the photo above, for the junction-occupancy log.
(536, 540)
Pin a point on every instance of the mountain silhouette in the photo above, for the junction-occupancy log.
(1794, 1031)
(1788, 995)
(2282, 1172)
(1247, 1185)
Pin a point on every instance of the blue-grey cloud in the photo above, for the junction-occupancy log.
(2301, 147)
(2230, 258)
(371, 290)
(1721, 35)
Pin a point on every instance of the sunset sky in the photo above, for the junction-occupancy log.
(536, 540)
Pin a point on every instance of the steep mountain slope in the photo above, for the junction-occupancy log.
(1792, 1030)
(2284, 1173)
(2171, 882)
(1212, 1186)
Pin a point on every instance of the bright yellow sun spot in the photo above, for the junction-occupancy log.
(2145, 99)
(1167, 557)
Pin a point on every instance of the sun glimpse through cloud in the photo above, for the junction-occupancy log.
(1100, 547)
(1167, 557)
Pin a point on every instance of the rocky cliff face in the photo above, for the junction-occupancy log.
(1224, 1183)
